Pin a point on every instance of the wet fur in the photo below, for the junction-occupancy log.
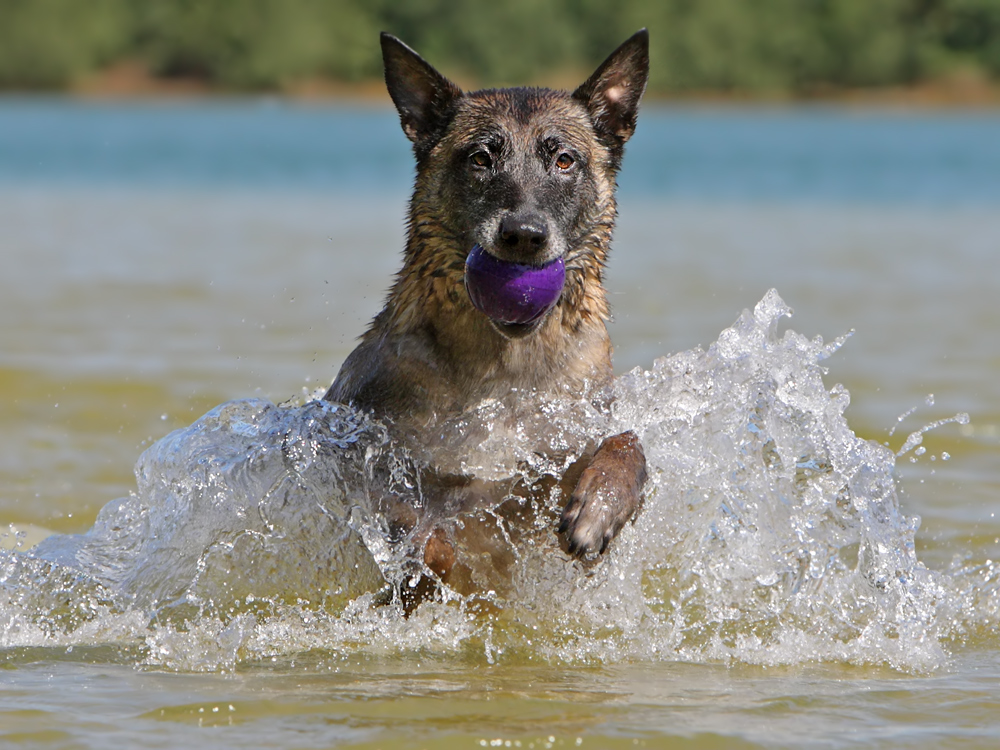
(430, 355)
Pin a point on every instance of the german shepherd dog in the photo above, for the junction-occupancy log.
(520, 181)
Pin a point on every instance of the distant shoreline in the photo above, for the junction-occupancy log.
(131, 80)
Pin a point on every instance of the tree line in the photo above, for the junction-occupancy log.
(801, 47)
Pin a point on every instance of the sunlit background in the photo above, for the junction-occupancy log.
(778, 47)
(204, 201)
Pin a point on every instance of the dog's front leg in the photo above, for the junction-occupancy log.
(608, 494)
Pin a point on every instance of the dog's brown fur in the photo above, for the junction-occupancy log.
(430, 355)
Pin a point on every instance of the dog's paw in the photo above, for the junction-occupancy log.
(588, 521)
(608, 494)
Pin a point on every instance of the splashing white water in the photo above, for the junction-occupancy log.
(771, 534)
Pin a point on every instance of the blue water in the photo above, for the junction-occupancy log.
(817, 155)
(252, 145)
(161, 258)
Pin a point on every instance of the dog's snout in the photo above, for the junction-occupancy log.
(523, 235)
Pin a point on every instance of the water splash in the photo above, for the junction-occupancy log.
(251, 506)
(771, 533)
(915, 438)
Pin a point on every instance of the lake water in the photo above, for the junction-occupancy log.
(160, 259)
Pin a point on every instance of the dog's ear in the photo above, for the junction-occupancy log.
(423, 97)
(612, 93)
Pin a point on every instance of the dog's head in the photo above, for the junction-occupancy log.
(522, 179)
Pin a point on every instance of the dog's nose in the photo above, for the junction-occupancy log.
(523, 235)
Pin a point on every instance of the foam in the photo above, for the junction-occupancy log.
(771, 534)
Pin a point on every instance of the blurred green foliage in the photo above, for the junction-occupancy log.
(798, 46)
(45, 43)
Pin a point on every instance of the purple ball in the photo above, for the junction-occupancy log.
(512, 292)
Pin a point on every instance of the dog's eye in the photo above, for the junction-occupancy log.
(564, 161)
(481, 159)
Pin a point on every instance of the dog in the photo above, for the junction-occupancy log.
(513, 184)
